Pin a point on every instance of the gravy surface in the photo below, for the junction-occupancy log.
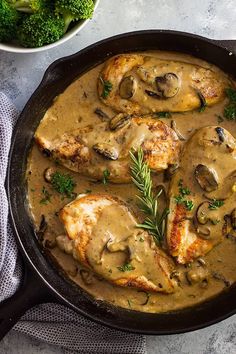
(74, 109)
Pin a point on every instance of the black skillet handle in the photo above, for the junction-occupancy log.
(32, 291)
(228, 44)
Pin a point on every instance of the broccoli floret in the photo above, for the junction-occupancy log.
(73, 10)
(40, 29)
(31, 6)
(9, 18)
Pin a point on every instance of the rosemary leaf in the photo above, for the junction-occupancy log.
(141, 177)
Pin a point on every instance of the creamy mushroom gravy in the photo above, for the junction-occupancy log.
(74, 109)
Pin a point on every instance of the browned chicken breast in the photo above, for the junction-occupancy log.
(105, 147)
(102, 235)
(142, 84)
(202, 194)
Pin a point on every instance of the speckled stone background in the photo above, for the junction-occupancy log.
(20, 75)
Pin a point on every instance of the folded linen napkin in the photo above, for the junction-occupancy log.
(52, 323)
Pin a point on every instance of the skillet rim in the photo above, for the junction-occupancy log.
(46, 77)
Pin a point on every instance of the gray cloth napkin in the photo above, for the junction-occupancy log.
(52, 323)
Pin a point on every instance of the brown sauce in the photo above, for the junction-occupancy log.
(75, 109)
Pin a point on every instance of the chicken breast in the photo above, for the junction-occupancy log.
(139, 84)
(202, 193)
(102, 235)
(105, 147)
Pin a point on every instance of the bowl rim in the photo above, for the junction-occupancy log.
(76, 29)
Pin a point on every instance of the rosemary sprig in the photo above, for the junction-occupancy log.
(141, 177)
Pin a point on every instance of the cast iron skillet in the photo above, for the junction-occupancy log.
(43, 281)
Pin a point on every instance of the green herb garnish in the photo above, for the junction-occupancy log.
(46, 196)
(126, 267)
(180, 198)
(107, 87)
(129, 302)
(141, 177)
(230, 109)
(163, 115)
(215, 204)
(106, 174)
(141, 239)
(63, 184)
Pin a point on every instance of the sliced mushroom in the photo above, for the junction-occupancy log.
(170, 171)
(128, 87)
(204, 232)
(42, 228)
(119, 121)
(206, 178)
(102, 115)
(220, 133)
(227, 225)
(107, 151)
(202, 100)
(168, 85)
(50, 243)
(48, 174)
(86, 276)
(146, 297)
(197, 275)
(221, 277)
(202, 213)
(154, 94)
(233, 219)
(174, 127)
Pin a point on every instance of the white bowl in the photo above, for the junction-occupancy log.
(10, 47)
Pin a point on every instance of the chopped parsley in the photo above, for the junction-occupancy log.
(180, 198)
(88, 191)
(126, 268)
(106, 174)
(129, 302)
(107, 87)
(215, 204)
(63, 184)
(163, 115)
(46, 196)
(230, 109)
(141, 239)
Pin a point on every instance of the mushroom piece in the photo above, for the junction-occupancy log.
(48, 174)
(197, 275)
(168, 85)
(202, 213)
(119, 121)
(233, 219)
(107, 151)
(203, 232)
(86, 276)
(170, 171)
(102, 115)
(220, 133)
(128, 87)
(206, 178)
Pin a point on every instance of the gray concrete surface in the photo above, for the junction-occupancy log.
(20, 75)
